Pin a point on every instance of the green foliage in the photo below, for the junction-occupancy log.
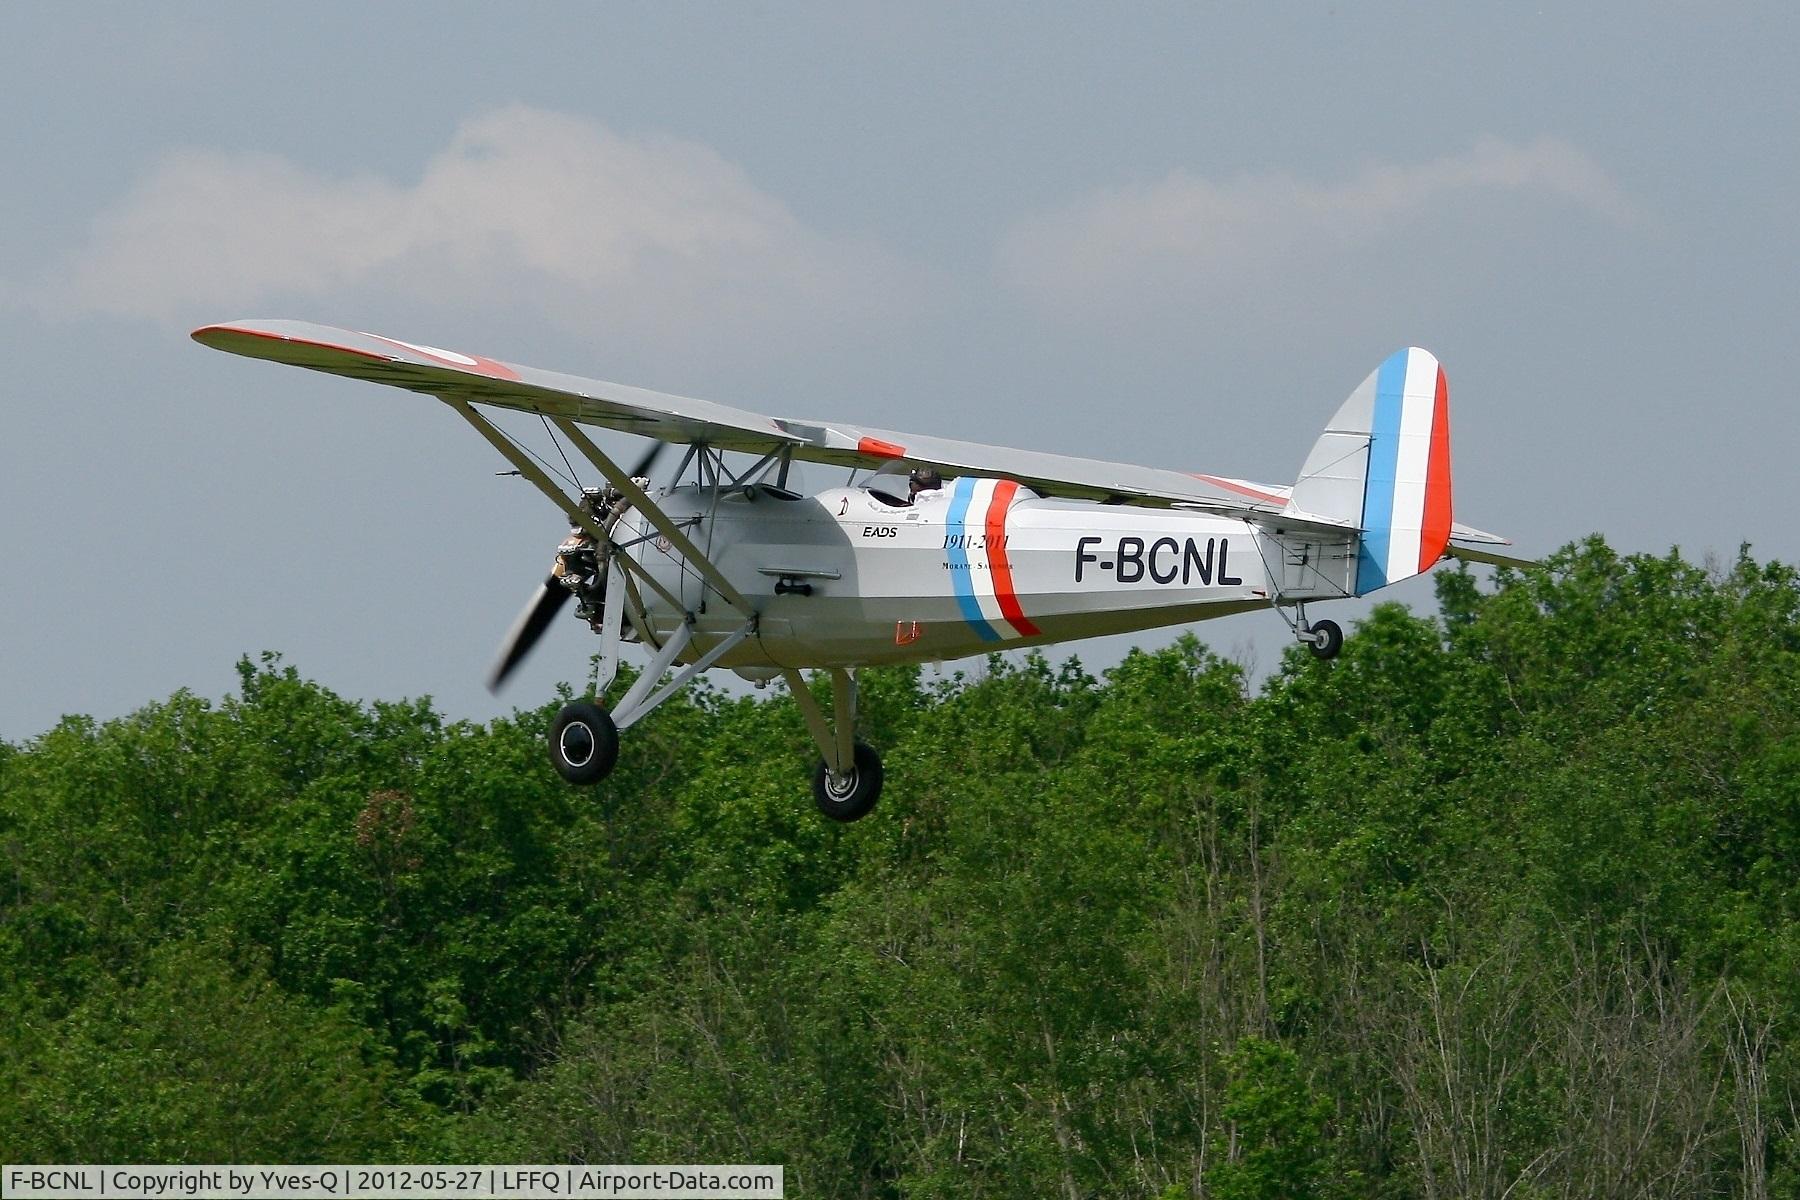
(1500, 902)
(1276, 1145)
(202, 1061)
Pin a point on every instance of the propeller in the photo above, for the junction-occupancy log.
(545, 603)
(548, 600)
(642, 470)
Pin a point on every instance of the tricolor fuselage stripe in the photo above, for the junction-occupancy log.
(980, 568)
(999, 566)
(1435, 535)
(1384, 457)
(960, 573)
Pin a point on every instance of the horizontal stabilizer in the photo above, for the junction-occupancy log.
(1481, 552)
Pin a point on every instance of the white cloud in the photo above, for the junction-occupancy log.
(1192, 238)
(656, 240)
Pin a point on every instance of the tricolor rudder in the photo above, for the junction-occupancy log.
(1406, 505)
(1383, 464)
(975, 545)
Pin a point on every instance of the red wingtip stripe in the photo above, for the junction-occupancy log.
(998, 566)
(1434, 535)
(879, 448)
(217, 337)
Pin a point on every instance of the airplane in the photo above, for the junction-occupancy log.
(933, 550)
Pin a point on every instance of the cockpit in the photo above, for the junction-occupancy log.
(897, 486)
(894, 486)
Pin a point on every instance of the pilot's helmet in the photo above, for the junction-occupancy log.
(925, 479)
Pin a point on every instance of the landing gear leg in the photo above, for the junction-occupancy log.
(847, 781)
(584, 738)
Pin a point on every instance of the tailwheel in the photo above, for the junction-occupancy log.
(584, 742)
(1324, 639)
(849, 795)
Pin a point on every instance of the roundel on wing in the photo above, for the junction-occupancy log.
(450, 358)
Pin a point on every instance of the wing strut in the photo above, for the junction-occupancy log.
(655, 516)
(574, 511)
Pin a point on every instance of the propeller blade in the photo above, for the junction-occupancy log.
(545, 603)
(642, 470)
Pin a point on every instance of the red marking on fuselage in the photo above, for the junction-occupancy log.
(879, 448)
(998, 566)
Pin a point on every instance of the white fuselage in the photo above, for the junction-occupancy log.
(980, 565)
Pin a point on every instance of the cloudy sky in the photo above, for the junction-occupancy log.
(1175, 235)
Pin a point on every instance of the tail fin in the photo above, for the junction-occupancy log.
(1383, 465)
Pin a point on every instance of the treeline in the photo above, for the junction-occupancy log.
(1500, 903)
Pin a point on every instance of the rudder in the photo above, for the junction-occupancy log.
(1383, 465)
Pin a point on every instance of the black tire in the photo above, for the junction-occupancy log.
(584, 743)
(853, 797)
(1328, 639)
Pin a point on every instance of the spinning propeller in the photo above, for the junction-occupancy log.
(548, 600)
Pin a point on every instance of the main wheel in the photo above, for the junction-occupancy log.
(851, 795)
(1326, 639)
(584, 742)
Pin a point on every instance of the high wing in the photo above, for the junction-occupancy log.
(473, 379)
(477, 380)
(447, 374)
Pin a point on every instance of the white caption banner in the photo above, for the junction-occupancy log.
(454, 1182)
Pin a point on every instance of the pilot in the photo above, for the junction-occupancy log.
(923, 479)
